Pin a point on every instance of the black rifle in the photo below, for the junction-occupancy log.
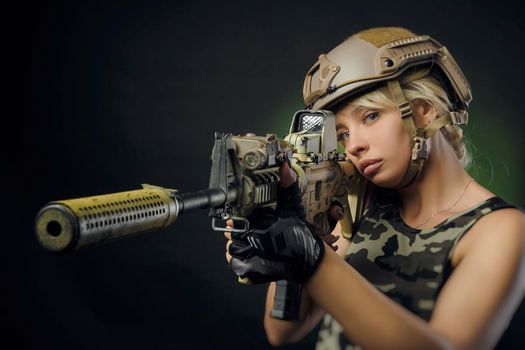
(244, 176)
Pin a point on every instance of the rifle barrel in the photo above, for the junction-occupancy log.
(74, 223)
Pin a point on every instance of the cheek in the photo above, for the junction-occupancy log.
(401, 159)
(392, 139)
(403, 151)
(395, 147)
(401, 144)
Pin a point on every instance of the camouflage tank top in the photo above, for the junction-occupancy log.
(408, 265)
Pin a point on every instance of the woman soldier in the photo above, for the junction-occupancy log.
(436, 259)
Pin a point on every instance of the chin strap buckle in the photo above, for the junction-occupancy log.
(419, 150)
(459, 117)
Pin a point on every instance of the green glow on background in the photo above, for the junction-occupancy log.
(495, 147)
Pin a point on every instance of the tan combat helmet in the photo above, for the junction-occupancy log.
(380, 55)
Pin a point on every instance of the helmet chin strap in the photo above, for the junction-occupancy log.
(419, 136)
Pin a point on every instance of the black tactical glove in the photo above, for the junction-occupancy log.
(281, 245)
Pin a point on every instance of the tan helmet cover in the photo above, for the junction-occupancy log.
(376, 55)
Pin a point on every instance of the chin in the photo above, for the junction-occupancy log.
(382, 179)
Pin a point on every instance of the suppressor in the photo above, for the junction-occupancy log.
(75, 223)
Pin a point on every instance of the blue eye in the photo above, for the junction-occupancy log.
(343, 136)
(371, 117)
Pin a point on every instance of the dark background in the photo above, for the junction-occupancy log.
(101, 97)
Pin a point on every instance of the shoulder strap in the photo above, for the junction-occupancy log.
(490, 205)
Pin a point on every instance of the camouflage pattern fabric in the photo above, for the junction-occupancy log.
(408, 265)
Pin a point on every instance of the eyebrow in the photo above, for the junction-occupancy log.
(341, 126)
(357, 108)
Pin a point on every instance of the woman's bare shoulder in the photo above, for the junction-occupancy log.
(502, 229)
(487, 284)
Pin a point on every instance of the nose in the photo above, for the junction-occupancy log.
(356, 146)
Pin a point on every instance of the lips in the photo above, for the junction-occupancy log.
(369, 166)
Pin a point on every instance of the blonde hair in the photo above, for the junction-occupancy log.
(418, 86)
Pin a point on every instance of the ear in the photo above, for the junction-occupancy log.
(423, 113)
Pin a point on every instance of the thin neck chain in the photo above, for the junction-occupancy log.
(447, 209)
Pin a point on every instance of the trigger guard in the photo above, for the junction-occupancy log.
(244, 229)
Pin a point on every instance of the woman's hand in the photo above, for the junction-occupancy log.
(281, 244)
